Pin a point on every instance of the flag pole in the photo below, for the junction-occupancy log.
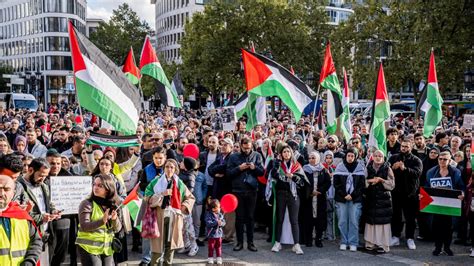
(314, 108)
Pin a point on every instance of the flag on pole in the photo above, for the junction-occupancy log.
(101, 86)
(432, 103)
(328, 79)
(265, 77)
(380, 113)
(150, 65)
(112, 141)
(132, 72)
(133, 195)
(346, 126)
(177, 84)
(440, 201)
(253, 107)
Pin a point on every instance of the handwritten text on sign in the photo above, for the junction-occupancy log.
(67, 192)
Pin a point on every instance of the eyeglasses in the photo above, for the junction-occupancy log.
(154, 139)
(443, 159)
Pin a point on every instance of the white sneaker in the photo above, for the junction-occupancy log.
(182, 250)
(411, 244)
(219, 260)
(297, 249)
(395, 241)
(353, 248)
(193, 250)
(472, 253)
(343, 247)
(210, 260)
(276, 247)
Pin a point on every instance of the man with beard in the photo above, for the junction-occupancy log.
(178, 153)
(64, 228)
(63, 143)
(420, 150)
(17, 231)
(244, 168)
(407, 169)
(333, 146)
(206, 158)
(43, 211)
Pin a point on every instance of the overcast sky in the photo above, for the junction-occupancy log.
(103, 9)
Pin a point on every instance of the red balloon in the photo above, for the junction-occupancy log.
(262, 180)
(229, 203)
(191, 150)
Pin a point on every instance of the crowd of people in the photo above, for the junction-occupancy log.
(293, 181)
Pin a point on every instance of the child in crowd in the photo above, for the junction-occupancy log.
(214, 224)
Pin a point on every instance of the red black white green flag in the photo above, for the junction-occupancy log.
(440, 201)
(150, 65)
(380, 113)
(101, 86)
(132, 72)
(265, 77)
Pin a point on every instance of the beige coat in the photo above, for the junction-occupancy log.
(178, 222)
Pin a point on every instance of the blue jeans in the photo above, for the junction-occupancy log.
(146, 250)
(348, 215)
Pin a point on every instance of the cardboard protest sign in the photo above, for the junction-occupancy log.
(468, 121)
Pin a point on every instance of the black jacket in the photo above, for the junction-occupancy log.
(188, 178)
(407, 181)
(324, 182)
(378, 201)
(238, 177)
(203, 160)
(221, 185)
(340, 187)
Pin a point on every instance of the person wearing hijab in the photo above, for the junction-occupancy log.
(349, 183)
(314, 206)
(378, 209)
(330, 167)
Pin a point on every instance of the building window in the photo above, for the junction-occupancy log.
(58, 63)
(57, 44)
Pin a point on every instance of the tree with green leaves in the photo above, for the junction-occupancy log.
(402, 33)
(122, 31)
(289, 33)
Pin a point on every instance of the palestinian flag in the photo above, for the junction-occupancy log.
(432, 103)
(101, 86)
(253, 107)
(177, 84)
(263, 179)
(132, 72)
(346, 126)
(150, 65)
(112, 141)
(265, 77)
(328, 79)
(440, 201)
(380, 113)
(133, 203)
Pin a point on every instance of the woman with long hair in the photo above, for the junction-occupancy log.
(169, 197)
(289, 177)
(98, 220)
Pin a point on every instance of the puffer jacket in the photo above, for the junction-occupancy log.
(378, 201)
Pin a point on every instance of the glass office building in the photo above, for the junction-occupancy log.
(34, 42)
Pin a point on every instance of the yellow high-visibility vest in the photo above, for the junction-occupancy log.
(13, 249)
(100, 240)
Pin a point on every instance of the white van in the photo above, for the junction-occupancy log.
(18, 100)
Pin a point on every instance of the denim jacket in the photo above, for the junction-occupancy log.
(200, 188)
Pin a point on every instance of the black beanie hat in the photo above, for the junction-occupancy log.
(189, 163)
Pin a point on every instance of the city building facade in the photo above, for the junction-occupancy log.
(170, 18)
(92, 24)
(34, 43)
